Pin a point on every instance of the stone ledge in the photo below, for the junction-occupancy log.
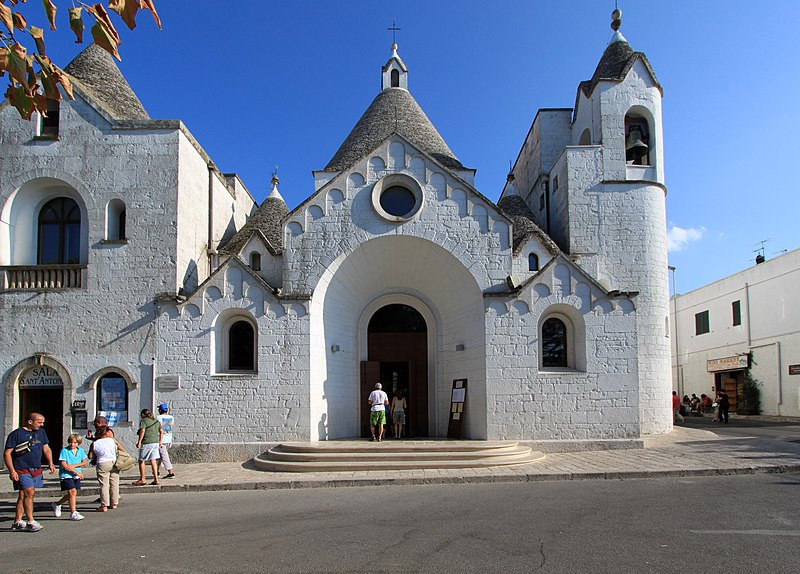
(184, 453)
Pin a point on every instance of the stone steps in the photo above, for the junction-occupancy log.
(359, 455)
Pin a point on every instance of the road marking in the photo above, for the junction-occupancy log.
(749, 532)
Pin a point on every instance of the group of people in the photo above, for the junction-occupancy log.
(379, 405)
(26, 446)
(698, 406)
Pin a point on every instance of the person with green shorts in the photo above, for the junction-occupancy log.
(377, 416)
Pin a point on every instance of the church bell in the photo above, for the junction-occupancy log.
(635, 148)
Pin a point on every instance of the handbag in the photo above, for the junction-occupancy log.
(124, 461)
(23, 447)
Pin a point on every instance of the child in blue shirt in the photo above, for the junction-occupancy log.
(70, 460)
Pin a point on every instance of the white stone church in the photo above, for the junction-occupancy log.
(134, 272)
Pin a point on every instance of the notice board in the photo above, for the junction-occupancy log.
(458, 404)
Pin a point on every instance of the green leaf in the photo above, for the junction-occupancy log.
(18, 65)
(76, 24)
(104, 39)
(38, 37)
(24, 102)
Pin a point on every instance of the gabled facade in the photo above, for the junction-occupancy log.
(394, 270)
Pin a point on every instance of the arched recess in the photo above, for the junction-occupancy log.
(130, 385)
(19, 233)
(574, 338)
(116, 221)
(12, 410)
(376, 272)
(639, 129)
(431, 335)
(234, 343)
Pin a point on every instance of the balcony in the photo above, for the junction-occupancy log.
(42, 277)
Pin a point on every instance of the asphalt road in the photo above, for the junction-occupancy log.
(727, 524)
(741, 426)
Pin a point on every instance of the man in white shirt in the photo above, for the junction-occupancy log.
(377, 417)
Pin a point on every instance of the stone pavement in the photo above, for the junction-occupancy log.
(683, 452)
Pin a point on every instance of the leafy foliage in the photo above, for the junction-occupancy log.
(749, 395)
(33, 79)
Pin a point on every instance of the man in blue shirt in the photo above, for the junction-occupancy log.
(23, 459)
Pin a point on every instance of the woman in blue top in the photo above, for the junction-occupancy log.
(72, 457)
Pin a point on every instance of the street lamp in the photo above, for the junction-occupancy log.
(678, 372)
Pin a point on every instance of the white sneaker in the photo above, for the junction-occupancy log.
(76, 516)
(33, 526)
(56, 510)
(19, 526)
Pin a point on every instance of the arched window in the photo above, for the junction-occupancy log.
(116, 220)
(554, 343)
(255, 261)
(241, 346)
(59, 232)
(533, 262)
(586, 137)
(395, 79)
(112, 396)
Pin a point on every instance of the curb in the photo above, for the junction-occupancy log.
(418, 481)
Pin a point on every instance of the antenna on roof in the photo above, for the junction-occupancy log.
(760, 251)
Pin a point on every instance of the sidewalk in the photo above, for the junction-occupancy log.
(683, 452)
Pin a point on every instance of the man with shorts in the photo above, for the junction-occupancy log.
(377, 416)
(23, 459)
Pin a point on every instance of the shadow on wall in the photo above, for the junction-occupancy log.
(190, 278)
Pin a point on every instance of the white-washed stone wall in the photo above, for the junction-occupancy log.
(270, 404)
(597, 398)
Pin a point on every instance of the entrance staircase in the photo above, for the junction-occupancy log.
(391, 454)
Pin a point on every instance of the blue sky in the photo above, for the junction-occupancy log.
(261, 83)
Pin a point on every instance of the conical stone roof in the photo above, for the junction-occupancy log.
(614, 65)
(99, 75)
(267, 219)
(394, 110)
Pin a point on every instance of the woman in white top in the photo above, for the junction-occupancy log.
(104, 449)
(398, 414)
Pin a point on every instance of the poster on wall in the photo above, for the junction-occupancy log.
(113, 400)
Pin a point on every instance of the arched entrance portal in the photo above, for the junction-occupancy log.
(397, 357)
(41, 390)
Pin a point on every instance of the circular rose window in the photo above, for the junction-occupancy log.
(397, 197)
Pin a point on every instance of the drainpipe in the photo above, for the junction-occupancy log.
(210, 242)
(747, 311)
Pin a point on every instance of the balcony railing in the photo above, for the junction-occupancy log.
(42, 277)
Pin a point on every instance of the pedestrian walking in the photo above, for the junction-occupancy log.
(167, 422)
(724, 405)
(149, 443)
(378, 400)
(23, 459)
(103, 453)
(676, 408)
(70, 461)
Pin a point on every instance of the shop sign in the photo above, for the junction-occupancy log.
(39, 378)
(727, 363)
(794, 369)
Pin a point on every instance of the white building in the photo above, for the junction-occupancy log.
(750, 320)
(134, 272)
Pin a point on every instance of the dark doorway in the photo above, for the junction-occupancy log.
(49, 403)
(397, 349)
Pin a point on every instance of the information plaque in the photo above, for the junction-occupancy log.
(458, 401)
